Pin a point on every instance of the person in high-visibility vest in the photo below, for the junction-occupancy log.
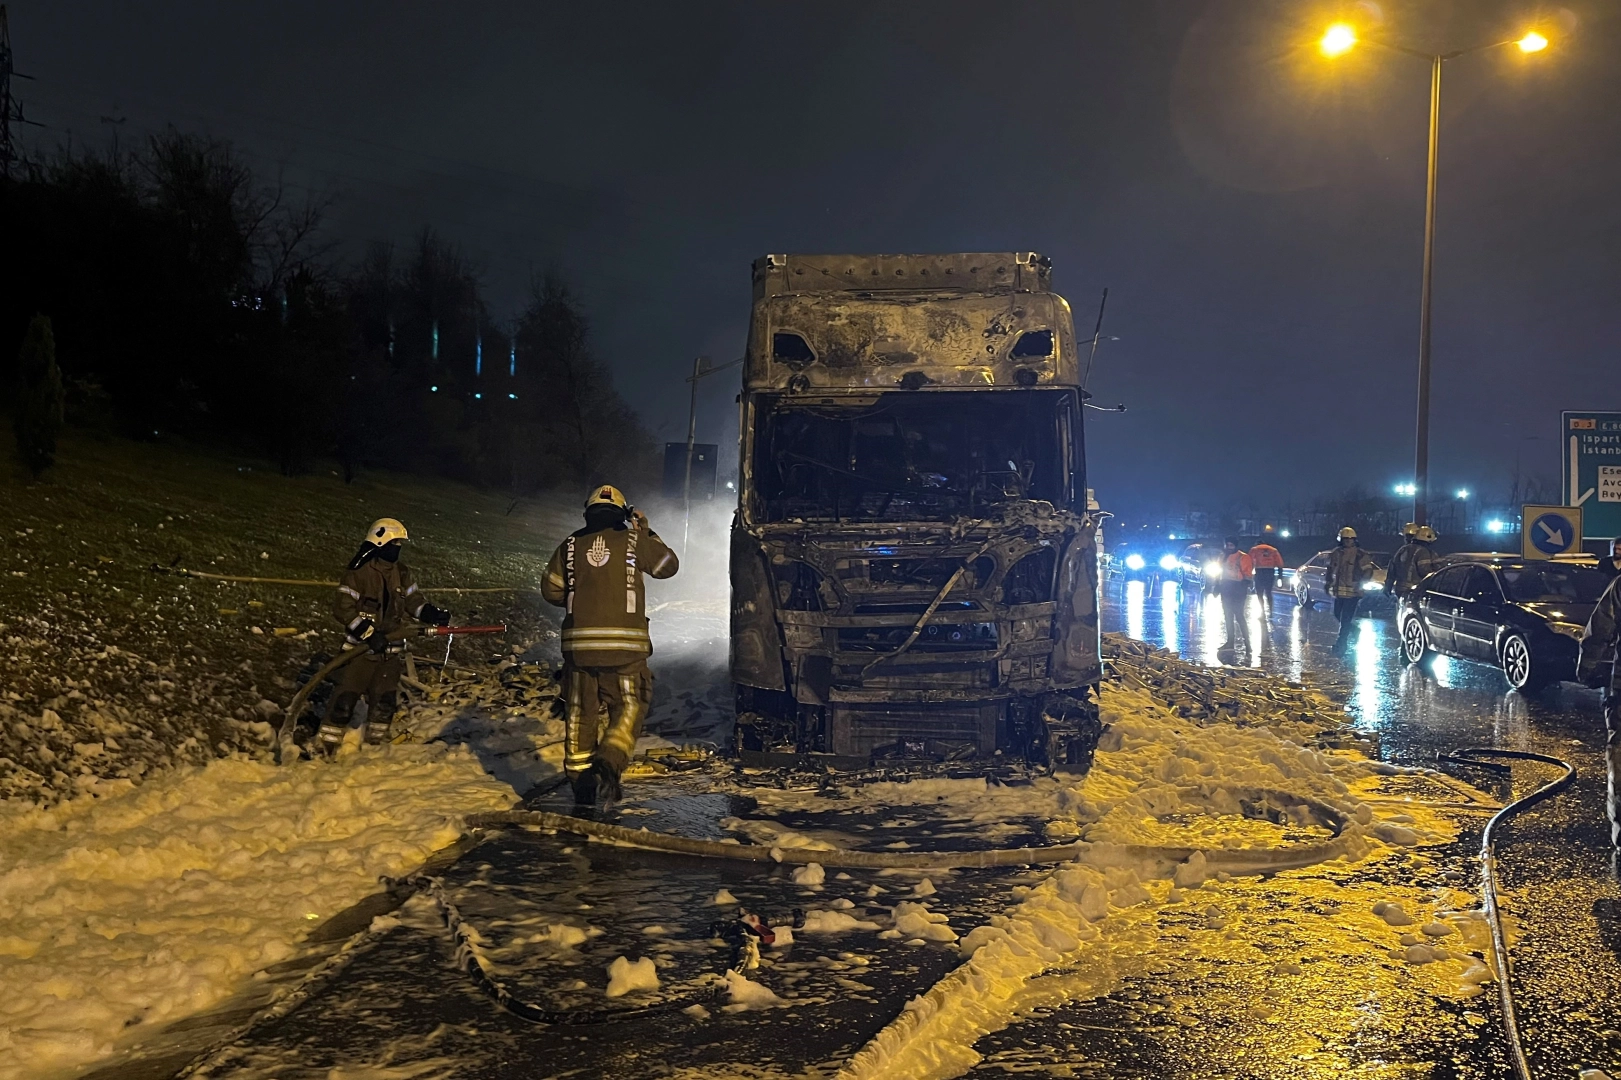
(1236, 571)
(1268, 562)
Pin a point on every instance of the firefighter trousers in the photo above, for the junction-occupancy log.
(375, 678)
(604, 710)
(1612, 758)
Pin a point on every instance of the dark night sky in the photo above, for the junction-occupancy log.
(1255, 210)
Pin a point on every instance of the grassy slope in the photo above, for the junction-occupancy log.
(108, 668)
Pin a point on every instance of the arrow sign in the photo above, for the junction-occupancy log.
(1551, 530)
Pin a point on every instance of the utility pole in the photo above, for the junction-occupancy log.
(700, 369)
(11, 110)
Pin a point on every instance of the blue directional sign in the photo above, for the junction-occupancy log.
(1590, 454)
(1550, 531)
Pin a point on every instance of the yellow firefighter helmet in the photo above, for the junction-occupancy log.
(1348, 533)
(385, 531)
(606, 495)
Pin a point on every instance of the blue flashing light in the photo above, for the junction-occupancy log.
(512, 360)
(478, 356)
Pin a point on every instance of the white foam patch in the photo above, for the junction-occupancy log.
(628, 976)
(160, 901)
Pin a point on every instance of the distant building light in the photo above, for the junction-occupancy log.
(514, 397)
(1496, 525)
(435, 389)
(1406, 489)
(1172, 536)
(478, 397)
(730, 486)
(478, 356)
(1285, 534)
(1463, 493)
(436, 339)
(512, 359)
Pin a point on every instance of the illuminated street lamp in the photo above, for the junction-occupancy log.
(1339, 39)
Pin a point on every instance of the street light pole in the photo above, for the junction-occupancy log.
(692, 435)
(1421, 447)
(1339, 39)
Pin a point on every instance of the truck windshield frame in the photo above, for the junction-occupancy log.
(910, 456)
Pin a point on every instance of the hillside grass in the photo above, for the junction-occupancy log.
(115, 664)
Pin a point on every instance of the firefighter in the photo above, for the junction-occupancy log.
(1268, 564)
(595, 576)
(1233, 588)
(1349, 567)
(1597, 666)
(376, 597)
(1414, 561)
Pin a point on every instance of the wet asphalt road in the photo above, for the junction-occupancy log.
(402, 1009)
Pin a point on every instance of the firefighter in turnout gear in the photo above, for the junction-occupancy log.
(376, 597)
(1349, 567)
(595, 576)
(1413, 562)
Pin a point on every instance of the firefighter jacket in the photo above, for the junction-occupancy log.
(1412, 563)
(1599, 642)
(384, 592)
(595, 576)
(1266, 557)
(1348, 567)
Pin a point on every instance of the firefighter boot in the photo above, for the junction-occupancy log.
(338, 715)
(380, 718)
(1612, 754)
(604, 780)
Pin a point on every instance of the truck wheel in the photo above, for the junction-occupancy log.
(1073, 730)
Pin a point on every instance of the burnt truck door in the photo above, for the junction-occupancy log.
(914, 569)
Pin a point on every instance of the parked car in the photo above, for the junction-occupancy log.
(1192, 563)
(1308, 584)
(1523, 615)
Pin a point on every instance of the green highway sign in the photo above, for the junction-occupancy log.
(1591, 457)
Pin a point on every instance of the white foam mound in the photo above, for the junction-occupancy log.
(749, 994)
(810, 874)
(626, 976)
(126, 912)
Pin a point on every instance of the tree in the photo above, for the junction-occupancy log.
(39, 400)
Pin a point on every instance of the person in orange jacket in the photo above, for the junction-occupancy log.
(1268, 562)
(1236, 571)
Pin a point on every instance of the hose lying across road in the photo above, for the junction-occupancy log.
(1240, 861)
(1470, 755)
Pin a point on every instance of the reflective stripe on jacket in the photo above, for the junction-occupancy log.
(595, 576)
(1412, 563)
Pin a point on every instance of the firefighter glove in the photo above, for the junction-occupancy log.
(363, 629)
(433, 616)
(379, 643)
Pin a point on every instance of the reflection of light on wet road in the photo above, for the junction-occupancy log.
(1170, 614)
(1215, 627)
(1366, 661)
(1134, 608)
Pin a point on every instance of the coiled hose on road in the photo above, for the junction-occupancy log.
(1471, 755)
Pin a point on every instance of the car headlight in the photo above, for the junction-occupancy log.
(1212, 569)
(1168, 562)
(1372, 586)
(1135, 561)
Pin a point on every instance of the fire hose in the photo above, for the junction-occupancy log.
(1471, 755)
(286, 751)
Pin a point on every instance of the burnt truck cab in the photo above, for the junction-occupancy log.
(914, 571)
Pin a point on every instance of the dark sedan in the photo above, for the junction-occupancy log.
(1525, 616)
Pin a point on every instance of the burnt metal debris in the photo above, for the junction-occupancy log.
(914, 565)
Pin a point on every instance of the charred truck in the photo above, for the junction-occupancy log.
(914, 570)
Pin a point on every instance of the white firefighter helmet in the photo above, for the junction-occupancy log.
(1425, 535)
(385, 531)
(1348, 533)
(606, 495)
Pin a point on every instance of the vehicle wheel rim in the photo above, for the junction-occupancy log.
(1413, 638)
(1516, 661)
